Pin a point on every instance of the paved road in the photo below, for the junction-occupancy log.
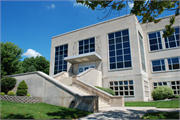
(124, 113)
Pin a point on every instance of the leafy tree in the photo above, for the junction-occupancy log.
(38, 63)
(10, 58)
(7, 84)
(148, 10)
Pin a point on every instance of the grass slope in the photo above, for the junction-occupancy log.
(12, 110)
(157, 104)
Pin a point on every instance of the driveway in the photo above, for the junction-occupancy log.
(124, 113)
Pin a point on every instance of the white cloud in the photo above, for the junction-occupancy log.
(78, 4)
(31, 53)
(51, 6)
(130, 4)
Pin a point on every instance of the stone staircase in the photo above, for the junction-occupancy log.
(68, 81)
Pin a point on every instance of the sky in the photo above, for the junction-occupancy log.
(32, 24)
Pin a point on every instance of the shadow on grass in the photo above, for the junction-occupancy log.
(68, 114)
(19, 116)
(161, 115)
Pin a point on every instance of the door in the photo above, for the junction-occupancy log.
(85, 66)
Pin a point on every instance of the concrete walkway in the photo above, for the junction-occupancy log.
(124, 113)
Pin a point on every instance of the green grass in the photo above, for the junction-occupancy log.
(157, 104)
(13, 110)
(161, 115)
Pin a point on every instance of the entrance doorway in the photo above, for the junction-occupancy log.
(83, 67)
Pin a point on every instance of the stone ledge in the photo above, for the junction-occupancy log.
(21, 99)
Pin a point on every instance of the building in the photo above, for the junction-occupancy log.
(134, 58)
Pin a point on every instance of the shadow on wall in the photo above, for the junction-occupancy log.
(86, 103)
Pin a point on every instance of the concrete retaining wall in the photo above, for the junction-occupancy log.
(54, 92)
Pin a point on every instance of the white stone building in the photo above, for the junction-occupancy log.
(133, 58)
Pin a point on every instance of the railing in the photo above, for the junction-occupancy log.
(62, 75)
(114, 101)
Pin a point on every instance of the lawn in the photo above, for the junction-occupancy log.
(161, 115)
(157, 104)
(12, 110)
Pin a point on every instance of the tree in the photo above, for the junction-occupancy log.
(148, 10)
(10, 58)
(38, 63)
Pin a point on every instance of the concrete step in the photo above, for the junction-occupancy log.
(66, 81)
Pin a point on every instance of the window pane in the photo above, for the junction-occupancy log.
(160, 83)
(86, 41)
(126, 44)
(127, 57)
(118, 34)
(172, 44)
(128, 64)
(155, 84)
(173, 83)
(155, 63)
(119, 52)
(126, 39)
(125, 87)
(112, 53)
(125, 82)
(111, 35)
(119, 58)
(120, 88)
(131, 88)
(131, 82)
(175, 60)
(126, 51)
(111, 83)
(153, 41)
(115, 82)
(92, 40)
(154, 47)
(125, 32)
(111, 47)
(118, 40)
(112, 66)
(120, 82)
(164, 83)
(120, 65)
(157, 68)
(131, 92)
(152, 35)
(118, 46)
(112, 60)
(126, 93)
(111, 41)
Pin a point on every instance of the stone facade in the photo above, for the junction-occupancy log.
(137, 82)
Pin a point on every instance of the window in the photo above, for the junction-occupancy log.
(122, 88)
(173, 63)
(60, 53)
(158, 65)
(86, 46)
(156, 84)
(119, 50)
(146, 88)
(175, 85)
(155, 41)
(173, 41)
(142, 52)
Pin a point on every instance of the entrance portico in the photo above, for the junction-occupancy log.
(84, 61)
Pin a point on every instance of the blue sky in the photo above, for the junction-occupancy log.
(32, 24)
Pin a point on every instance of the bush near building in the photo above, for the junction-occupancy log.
(108, 90)
(162, 92)
(11, 93)
(7, 84)
(22, 89)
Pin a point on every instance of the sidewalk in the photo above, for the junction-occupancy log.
(125, 113)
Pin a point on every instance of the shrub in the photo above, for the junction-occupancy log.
(22, 85)
(21, 92)
(108, 90)
(2, 93)
(11, 93)
(28, 95)
(177, 96)
(22, 89)
(7, 84)
(161, 93)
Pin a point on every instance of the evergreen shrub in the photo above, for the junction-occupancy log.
(22, 89)
(11, 93)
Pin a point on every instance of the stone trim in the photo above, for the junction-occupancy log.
(21, 99)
